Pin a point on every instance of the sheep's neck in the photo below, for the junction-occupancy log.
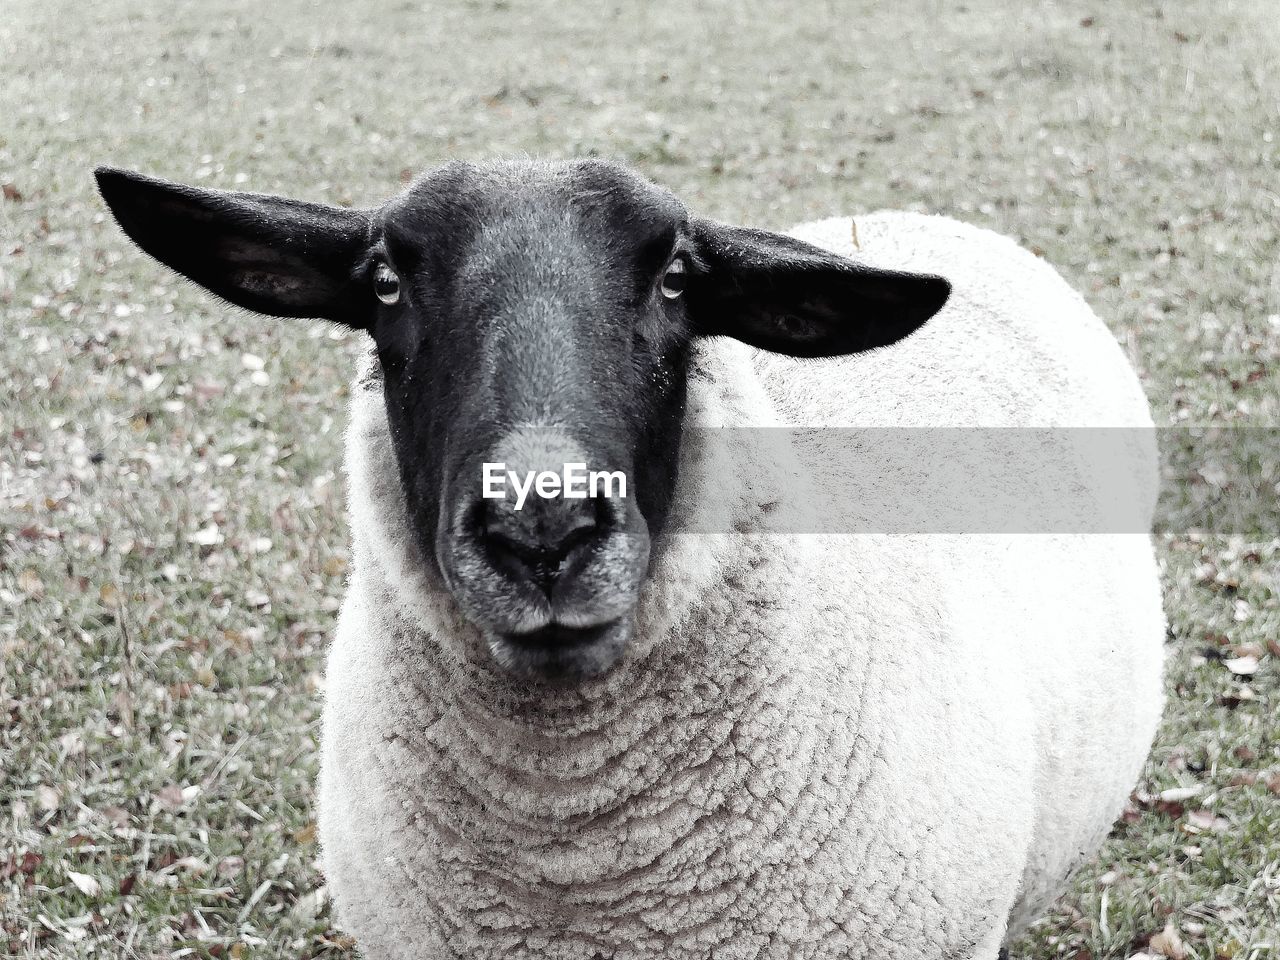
(629, 807)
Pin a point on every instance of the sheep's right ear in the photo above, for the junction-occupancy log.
(276, 256)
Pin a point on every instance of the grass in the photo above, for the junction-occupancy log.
(172, 543)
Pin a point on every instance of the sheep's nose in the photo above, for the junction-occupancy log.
(547, 566)
(536, 542)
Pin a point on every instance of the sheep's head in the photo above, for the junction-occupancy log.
(535, 316)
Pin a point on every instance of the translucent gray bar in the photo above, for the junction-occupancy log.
(1003, 480)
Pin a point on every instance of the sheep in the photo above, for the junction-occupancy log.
(659, 726)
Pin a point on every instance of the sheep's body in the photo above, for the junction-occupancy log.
(870, 746)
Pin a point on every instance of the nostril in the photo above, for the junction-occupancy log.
(531, 542)
(533, 547)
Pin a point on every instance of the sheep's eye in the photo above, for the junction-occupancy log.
(386, 285)
(674, 280)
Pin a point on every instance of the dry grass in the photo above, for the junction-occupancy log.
(172, 534)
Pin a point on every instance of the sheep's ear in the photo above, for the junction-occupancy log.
(780, 294)
(276, 256)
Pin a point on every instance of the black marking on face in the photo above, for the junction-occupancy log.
(530, 311)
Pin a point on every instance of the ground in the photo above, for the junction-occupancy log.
(172, 541)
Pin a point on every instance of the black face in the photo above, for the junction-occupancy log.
(534, 316)
(531, 328)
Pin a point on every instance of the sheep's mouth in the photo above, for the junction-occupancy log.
(557, 653)
(557, 637)
(572, 625)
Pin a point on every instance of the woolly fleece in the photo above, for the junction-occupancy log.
(865, 746)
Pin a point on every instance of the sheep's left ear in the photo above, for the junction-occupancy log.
(277, 256)
(784, 295)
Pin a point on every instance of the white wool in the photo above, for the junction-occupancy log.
(818, 746)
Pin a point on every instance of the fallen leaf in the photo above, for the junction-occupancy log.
(170, 797)
(1242, 666)
(1239, 695)
(86, 884)
(163, 861)
(29, 582)
(230, 867)
(1167, 943)
(47, 798)
(26, 865)
(1178, 794)
(310, 904)
(1207, 820)
(206, 536)
(11, 192)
